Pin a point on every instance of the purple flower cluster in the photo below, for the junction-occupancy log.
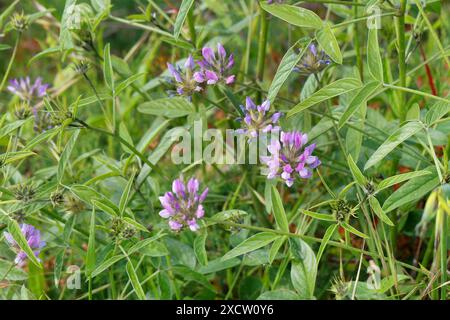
(313, 61)
(26, 90)
(185, 83)
(291, 157)
(33, 237)
(183, 205)
(257, 118)
(215, 68)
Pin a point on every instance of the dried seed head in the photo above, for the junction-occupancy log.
(81, 67)
(24, 192)
(57, 198)
(73, 205)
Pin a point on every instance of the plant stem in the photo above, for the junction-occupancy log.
(424, 94)
(443, 251)
(8, 69)
(359, 61)
(401, 47)
(262, 44)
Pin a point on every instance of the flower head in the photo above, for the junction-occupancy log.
(19, 21)
(33, 237)
(258, 119)
(313, 61)
(185, 81)
(291, 157)
(183, 206)
(43, 120)
(215, 66)
(26, 90)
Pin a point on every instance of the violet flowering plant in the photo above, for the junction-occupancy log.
(257, 119)
(33, 237)
(27, 90)
(215, 67)
(290, 157)
(184, 79)
(313, 61)
(183, 205)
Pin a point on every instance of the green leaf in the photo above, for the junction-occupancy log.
(65, 155)
(278, 211)
(375, 205)
(357, 174)
(154, 249)
(388, 182)
(326, 39)
(68, 17)
(167, 107)
(227, 215)
(374, 62)
(4, 47)
(8, 271)
(11, 157)
(199, 248)
(106, 264)
(332, 90)
(326, 237)
(319, 216)
(290, 59)
(127, 82)
(400, 135)
(19, 238)
(143, 243)
(190, 275)
(90, 255)
(7, 12)
(296, 16)
(256, 241)
(126, 194)
(413, 112)
(107, 68)
(359, 100)
(181, 17)
(10, 127)
(43, 54)
(219, 265)
(436, 112)
(413, 190)
(280, 294)
(125, 134)
(303, 269)
(350, 229)
(105, 207)
(275, 248)
(135, 281)
(59, 262)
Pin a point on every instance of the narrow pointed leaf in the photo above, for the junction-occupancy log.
(375, 205)
(278, 211)
(256, 241)
(332, 90)
(326, 39)
(296, 16)
(400, 135)
(359, 99)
